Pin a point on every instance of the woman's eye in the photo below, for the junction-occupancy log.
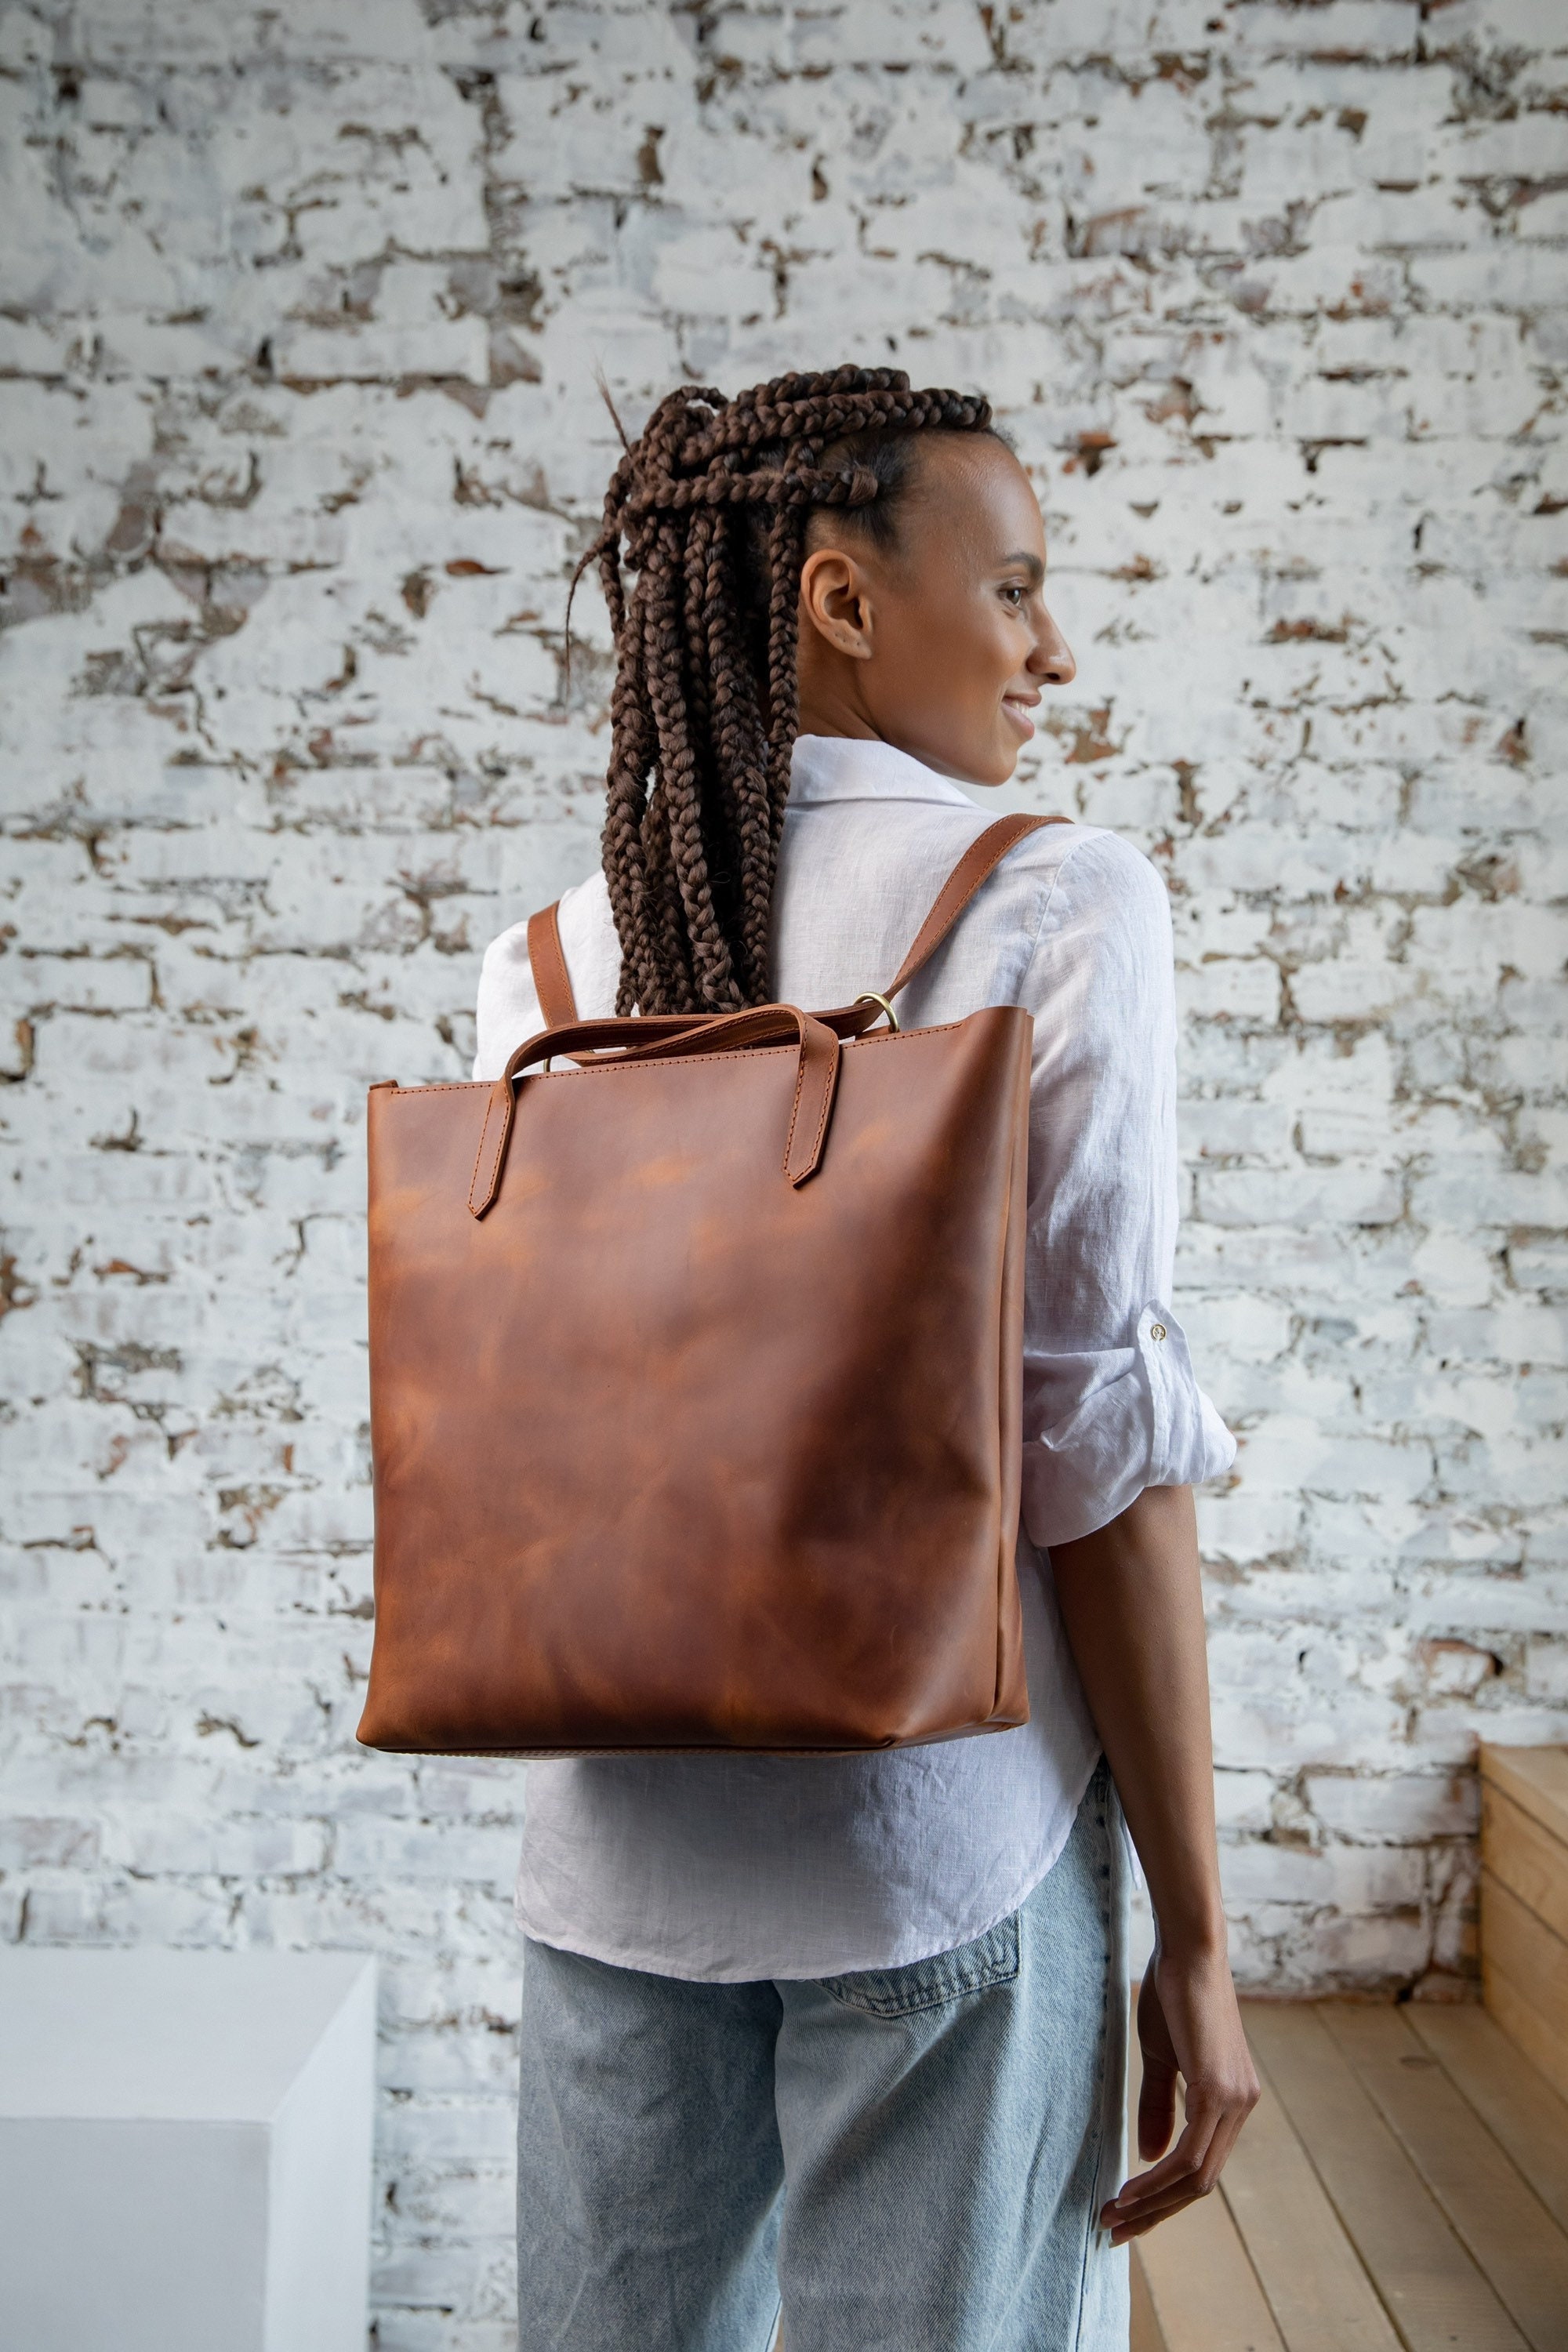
(1014, 596)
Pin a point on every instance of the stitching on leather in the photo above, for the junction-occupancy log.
(686, 1061)
(473, 1179)
(478, 1148)
(827, 1094)
(452, 1086)
(794, 1106)
(709, 1747)
(502, 1133)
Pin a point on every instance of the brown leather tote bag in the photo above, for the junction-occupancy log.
(696, 1378)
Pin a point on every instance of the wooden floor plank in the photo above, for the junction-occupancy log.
(1320, 2296)
(1516, 2102)
(1203, 2291)
(1510, 2234)
(1529, 1861)
(1146, 2333)
(1434, 2292)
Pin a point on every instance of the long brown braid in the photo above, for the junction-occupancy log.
(709, 508)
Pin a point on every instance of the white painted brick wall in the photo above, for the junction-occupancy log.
(299, 316)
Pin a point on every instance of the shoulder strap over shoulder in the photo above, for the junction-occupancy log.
(551, 981)
(978, 862)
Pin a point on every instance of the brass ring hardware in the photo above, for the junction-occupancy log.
(869, 996)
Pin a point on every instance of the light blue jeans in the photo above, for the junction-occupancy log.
(914, 2157)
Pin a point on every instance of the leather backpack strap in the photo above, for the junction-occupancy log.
(551, 981)
(978, 862)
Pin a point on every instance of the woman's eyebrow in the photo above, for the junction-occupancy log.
(1022, 560)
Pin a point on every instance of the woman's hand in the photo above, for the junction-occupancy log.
(1188, 2023)
(1133, 1603)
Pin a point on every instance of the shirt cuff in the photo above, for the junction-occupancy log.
(1139, 1419)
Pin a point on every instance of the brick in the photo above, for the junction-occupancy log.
(1405, 1808)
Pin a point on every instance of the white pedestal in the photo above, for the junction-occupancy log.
(185, 2150)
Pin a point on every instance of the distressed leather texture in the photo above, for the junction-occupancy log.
(696, 1382)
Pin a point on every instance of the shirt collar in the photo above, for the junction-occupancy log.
(851, 768)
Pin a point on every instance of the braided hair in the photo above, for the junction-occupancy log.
(712, 504)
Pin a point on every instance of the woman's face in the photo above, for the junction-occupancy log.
(941, 645)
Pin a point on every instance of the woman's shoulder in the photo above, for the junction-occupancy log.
(1104, 929)
(582, 912)
(508, 1003)
(1095, 851)
(587, 926)
(1096, 875)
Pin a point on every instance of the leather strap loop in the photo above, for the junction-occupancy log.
(816, 1076)
(574, 1037)
(547, 961)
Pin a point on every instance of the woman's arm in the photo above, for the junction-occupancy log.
(1133, 1604)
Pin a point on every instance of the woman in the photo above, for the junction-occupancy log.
(852, 2028)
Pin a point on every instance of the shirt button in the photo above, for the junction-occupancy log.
(1156, 1331)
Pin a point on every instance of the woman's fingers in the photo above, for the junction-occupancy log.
(1188, 2024)
(1189, 2172)
(1177, 2198)
(1176, 2178)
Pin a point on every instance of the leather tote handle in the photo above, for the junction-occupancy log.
(816, 1074)
(551, 981)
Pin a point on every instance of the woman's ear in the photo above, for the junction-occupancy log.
(835, 596)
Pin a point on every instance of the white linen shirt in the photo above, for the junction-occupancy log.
(725, 1868)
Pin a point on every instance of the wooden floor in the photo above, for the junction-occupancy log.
(1402, 2187)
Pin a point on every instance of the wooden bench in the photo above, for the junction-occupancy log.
(1403, 2186)
(1524, 1900)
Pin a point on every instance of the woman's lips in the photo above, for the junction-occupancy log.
(1018, 710)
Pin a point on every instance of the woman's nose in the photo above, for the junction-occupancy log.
(1052, 660)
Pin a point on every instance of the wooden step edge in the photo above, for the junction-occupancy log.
(1519, 1941)
(1525, 1857)
(1540, 2038)
(1535, 1777)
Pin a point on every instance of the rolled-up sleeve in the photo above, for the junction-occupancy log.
(1112, 1403)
